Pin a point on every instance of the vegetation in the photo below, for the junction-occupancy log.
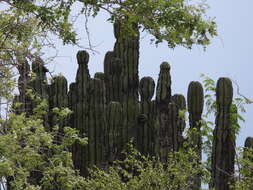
(38, 150)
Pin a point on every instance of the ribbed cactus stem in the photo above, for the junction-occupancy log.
(23, 86)
(163, 98)
(223, 153)
(83, 75)
(127, 50)
(179, 100)
(114, 131)
(96, 122)
(113, 78)
(39, 84)
(248, 159)
(168, 132)
(78, 102)
(145, 129)
(163, 89)
(58, 98)
(195, 101)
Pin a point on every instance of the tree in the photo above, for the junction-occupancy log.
(30, 156)
(28, 23)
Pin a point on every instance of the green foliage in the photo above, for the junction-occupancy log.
(31, 158)
(244, 165)
(7, 84)
(137, 172)
(177, 22)
(237, 107)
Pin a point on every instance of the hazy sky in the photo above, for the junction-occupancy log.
(229, 55)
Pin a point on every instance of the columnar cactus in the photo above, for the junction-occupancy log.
(163, 89)
(78, 103)
(39, 83)
(195, 101)
(167, 118)
(223, 152)
(168, 135)
(145, 129)
(96, 121)
(114, 131)
(113, 77)
(58, 98)
(126, 49)
(179, 100)
(248, 157)
(23, 86)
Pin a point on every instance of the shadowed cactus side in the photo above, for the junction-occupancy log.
(126, 63)
(113, 77)
(58, 98)
(114, 131)
(78, 103)
(166, 124)
(127, 50)
(145, 128)
(179, 100)
(195, 102)
(96, 121)
(39, 83)
(223, 150)
(248, 159)
(163, 89)
(23, 86)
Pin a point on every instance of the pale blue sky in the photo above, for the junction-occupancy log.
(229, 55)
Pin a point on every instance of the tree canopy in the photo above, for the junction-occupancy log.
(27, 24)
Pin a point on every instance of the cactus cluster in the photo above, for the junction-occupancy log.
(114, 107)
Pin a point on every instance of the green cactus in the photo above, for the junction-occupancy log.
(145, 129)
(113, 78)
(96, 121)
(23, 86)
(179, 100)
(195, 101)
(78, 103)
(99, 75)
(163, 89)
(223, 151)
(126, 51)
(39, 83)
(114, 131)
(167, 134)
(58, 98)
(248, 159)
